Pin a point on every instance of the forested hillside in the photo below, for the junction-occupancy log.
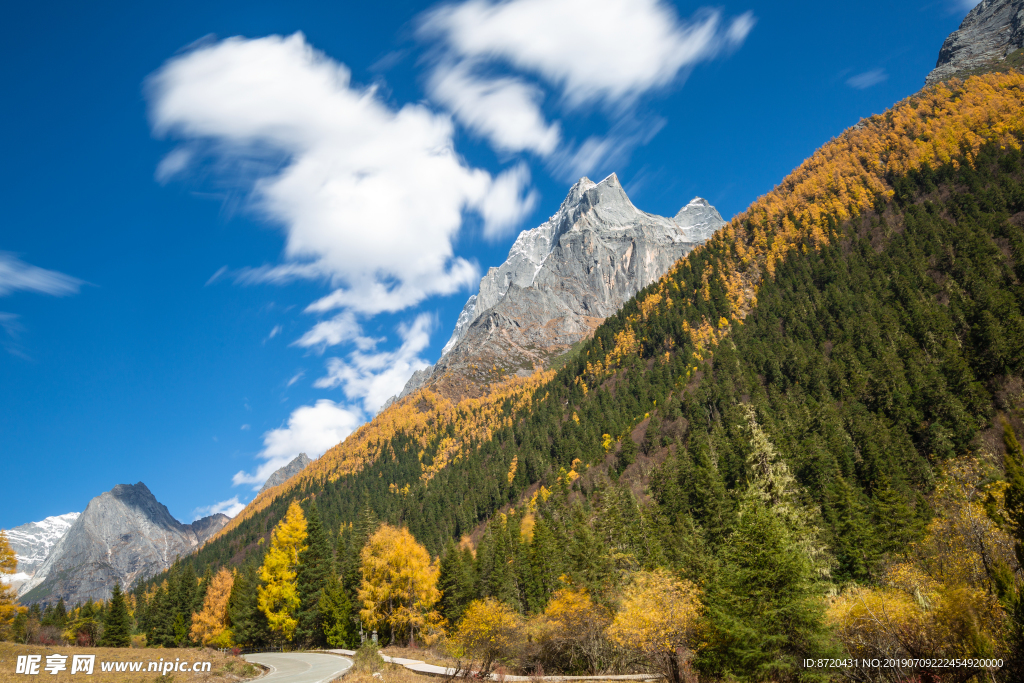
(803, 418)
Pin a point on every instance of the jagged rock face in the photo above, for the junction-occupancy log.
(560, 281)
(287, 472)
(125, 535)
(32, 543)
(989, 32)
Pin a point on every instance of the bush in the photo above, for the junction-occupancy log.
(367, 659)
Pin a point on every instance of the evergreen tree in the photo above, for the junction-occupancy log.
(335, 611)
(545, 565)
(449, 580)
(117, 628)
(765, 612)
(249, 626)
(316, 572)
(1011, 594)
(161, 619)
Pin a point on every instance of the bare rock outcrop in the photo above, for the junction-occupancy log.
(125, 535)
(989, 32)
(285, 473)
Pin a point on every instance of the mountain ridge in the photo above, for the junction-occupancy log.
(123, 536)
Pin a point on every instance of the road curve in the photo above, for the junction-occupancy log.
(300, 667)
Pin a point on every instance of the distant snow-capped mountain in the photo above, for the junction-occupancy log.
(33, 542)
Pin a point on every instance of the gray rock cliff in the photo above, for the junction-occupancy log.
(125, 535)
(282, 475)
(560, 281)
(989, 32)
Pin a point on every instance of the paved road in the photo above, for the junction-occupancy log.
(300, 667)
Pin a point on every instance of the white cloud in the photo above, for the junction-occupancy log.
(371, 198)
(339, 329)
(867, 79)
(274, 332)
(16, 275)
(613, 52)
(245, 427)
(505, 110)
(310, 429)
(373, 378)
(230, 507)
(295, 378)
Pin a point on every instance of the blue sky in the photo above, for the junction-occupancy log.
(231, 230)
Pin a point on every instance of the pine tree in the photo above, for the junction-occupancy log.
(117, 627)
(315, 573)
(161, 619)
(764, 607)
(336, 615)
(248, 623)
(545, 566)
(1012, 595)
(449, 578)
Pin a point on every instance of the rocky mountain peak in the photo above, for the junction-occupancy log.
(123, 536)
(560, 280)
(989, 32)
(280, 476)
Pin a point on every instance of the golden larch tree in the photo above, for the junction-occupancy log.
(399, 584)
(659, 617)
(490, 630)
(8, 565)
(210, 625)
(279, 598)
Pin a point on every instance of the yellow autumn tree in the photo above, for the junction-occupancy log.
(8, 565)
(659, 617)
(489, 631)
(210, 625)
(279, 598)
(399, 583)
(571, 632)
(941, 599)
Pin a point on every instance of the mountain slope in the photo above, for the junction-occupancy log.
(125, 535)
(665, 355)
(560, 281)
(32, 543)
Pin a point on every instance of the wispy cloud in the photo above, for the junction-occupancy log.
(275, 331)
(568, 54)
(230, 507)
(867, 79)
(295, 378)
(16, 275)
(245, 428)
(611, 54)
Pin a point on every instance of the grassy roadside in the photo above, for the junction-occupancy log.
(224, 668)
